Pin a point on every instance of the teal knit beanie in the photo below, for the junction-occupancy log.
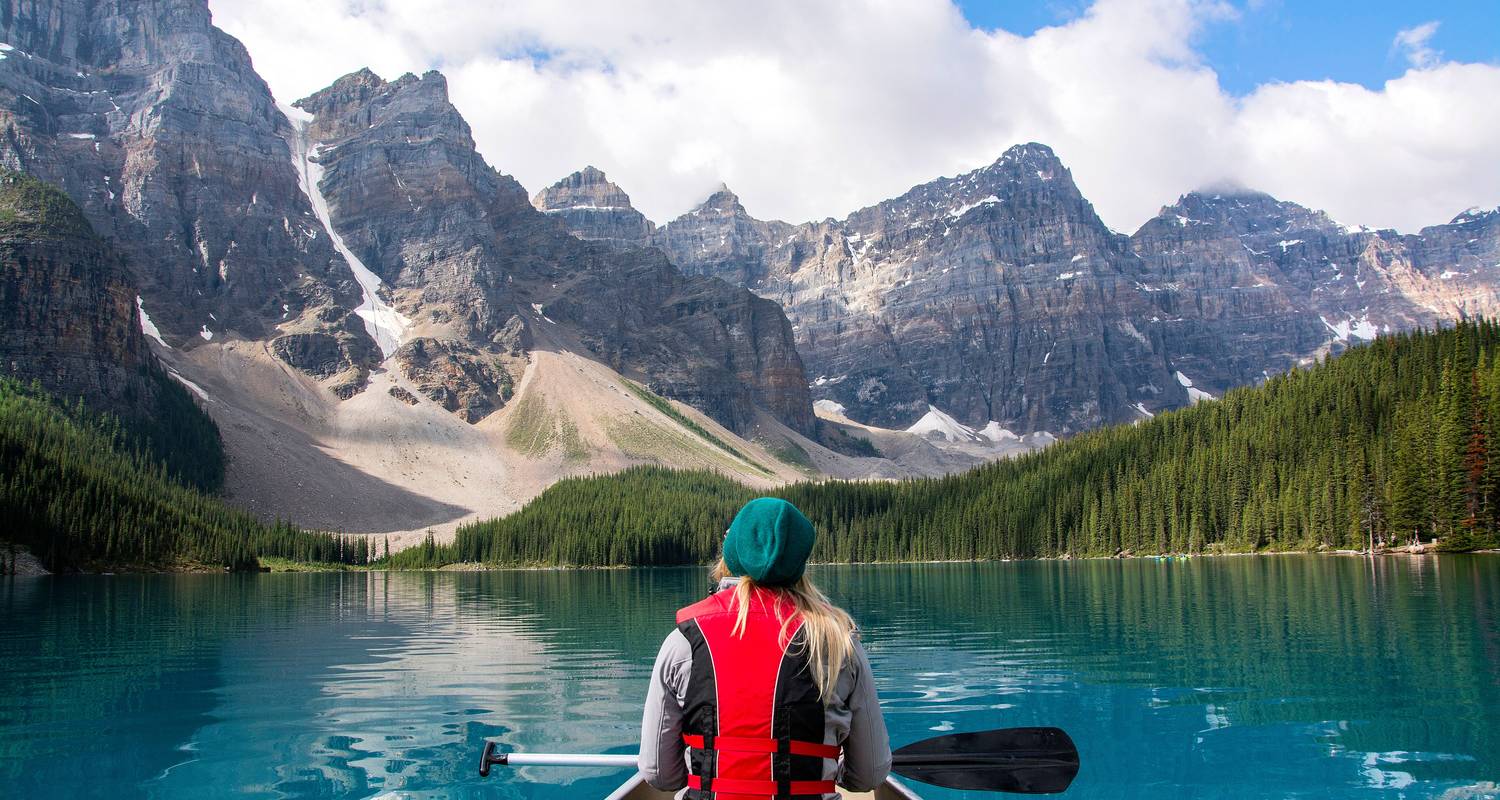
(769, 541)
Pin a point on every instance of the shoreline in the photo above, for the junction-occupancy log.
(283, 567)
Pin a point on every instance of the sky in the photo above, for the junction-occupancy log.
(1382, 113)
(1290, 40)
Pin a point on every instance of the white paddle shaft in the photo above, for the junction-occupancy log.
(569, 760)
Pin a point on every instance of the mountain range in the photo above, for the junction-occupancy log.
(999, 299)
(392, 336)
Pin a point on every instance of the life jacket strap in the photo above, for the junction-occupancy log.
(765, 788)
(745, 744)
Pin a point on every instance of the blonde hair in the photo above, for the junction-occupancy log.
(829, 630)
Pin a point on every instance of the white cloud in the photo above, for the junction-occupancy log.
(1416, 44)
(812, 108)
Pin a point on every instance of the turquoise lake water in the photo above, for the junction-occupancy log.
(1268, 677)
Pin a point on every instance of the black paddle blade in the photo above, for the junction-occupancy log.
(1021, 760)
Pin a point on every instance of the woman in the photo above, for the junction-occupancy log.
(764, 683)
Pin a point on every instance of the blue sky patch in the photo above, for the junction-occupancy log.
(1282, 40)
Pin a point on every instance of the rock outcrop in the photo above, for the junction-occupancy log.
(67, 305)
(456, 376)
(998, 297)
(464, 254)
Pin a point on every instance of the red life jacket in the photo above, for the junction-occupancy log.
(752, 719)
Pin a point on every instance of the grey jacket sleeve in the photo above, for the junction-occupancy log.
(663, 761)
(867, 751)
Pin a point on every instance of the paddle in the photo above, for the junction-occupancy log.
(1019, 760)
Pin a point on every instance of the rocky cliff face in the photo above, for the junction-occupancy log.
(994, 296)
(999, 296)
(470, 262)
(1245, 285)
(595, 210)
(153, 121)
(1221, 303)
(67, 306)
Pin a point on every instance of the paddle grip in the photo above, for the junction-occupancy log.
(490, 758)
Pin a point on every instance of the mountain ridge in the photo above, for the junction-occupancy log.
(1223, 287)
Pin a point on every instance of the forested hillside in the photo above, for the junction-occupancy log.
(1388, 443)
(83, 492)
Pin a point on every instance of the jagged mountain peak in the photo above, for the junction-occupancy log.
(593, 208)
(374, 99)
(1028, 162)
(1244, 211)
(357, 87)
(413, 111)
(722, 200)
(1227, 196)
(1028, 152)
(1214, 206)
(588, 189)
(1474, 214)
(590, 174)
(1025, 175)
(366, 78)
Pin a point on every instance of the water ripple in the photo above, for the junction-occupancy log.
(1243, 678)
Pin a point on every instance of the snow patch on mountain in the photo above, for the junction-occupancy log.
(586, 207)
(1195, 395)
(1130, 329)
(192, 387)
(829, 406)
(967, 207)
(1361, 328)
(147, 326)
(936, 424)
(997, 434)
(384, 324)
